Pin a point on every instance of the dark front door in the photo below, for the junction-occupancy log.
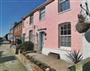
(23, 38)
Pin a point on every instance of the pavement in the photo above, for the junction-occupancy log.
(8, 60)
(57, 64)
(26, 63)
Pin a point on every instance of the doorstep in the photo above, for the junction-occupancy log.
(56, 64)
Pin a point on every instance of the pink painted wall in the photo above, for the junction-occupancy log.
(26, 28)
(76, 37)
(53, 19)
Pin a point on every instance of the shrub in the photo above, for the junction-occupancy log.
(26, 46)
(18, 41)
(72, 68)
(75, 56)
(86, 66)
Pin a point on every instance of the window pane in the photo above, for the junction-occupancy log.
(62, 33)
(31, 19)
(69, 32)
(67, 44)
(65, 26)
(66, 38)
(62, 43)
(62, 38)
(69, 39)
(66, 41)
(63, 5)
(42, 10)
(69, 26)
(67, 4)
(65, 32)
(61, 27)
(42, 14)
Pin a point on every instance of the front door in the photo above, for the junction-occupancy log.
(41, 40)
(23, 38)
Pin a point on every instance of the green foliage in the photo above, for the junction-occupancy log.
(86, 67)
(75, 56)
(26, 46)
(19, 41)
(72, 68)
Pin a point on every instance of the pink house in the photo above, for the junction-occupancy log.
(51, 27)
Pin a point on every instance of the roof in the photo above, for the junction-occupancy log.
(16, 24)
(38, 8)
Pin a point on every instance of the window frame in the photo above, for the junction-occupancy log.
(60, 9)
(68, 35)
(42, 13)
(31, 18)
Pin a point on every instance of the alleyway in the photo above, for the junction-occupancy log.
(8, 61)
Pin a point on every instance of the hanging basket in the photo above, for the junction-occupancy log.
(82, 27)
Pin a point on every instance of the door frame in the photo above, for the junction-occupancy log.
(41, 40)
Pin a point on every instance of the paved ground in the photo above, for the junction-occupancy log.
(57, 64)
(8, 61)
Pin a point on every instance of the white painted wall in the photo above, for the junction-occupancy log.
(84, 6)
(60, 51)
(86, 44)
(86, 35)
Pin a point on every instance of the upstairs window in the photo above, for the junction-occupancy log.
(31, 19)
(63, 5)
(42, 14)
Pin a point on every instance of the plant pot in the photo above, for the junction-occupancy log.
(82, 27)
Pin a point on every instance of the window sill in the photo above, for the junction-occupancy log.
(64, 11)
(65, 48)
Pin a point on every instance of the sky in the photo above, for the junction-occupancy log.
(13, 10)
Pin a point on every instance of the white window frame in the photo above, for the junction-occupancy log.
(59, 5)
(68, 35)
(31, 18)
(42, 14)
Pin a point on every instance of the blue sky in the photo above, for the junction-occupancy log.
(14, 10)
